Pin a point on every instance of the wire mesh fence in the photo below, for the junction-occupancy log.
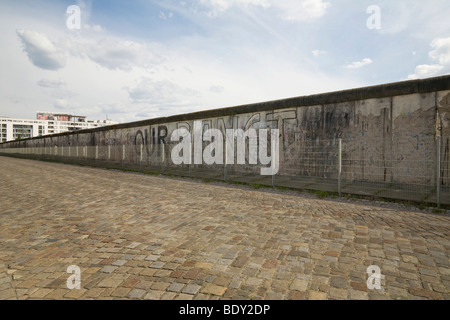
(405, 168)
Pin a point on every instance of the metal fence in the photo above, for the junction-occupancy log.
(408, 168)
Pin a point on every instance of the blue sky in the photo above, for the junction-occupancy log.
(133, 60)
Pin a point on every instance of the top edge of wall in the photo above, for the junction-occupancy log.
(378, 91)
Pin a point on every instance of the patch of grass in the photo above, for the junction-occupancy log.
(322, 194)
(284, 188)
(239, 183)
(150, 173)
(258, 186)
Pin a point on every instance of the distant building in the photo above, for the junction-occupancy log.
(46, 123)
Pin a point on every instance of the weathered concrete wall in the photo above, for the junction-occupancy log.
(388, 132)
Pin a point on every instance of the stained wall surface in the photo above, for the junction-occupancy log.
(389, 133)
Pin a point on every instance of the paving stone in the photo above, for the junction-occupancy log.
(410, 259)
(316, 249)
(108, 269)
(193, 273)
(339, 294)
(39, 294)
(162, 273)
(271, 295)
(358, 295)
(154, 295)
(57, 294)
(183, 296)
(136, 293)
(157, 265)
(316, 295)
(144, 284)
(299, 285)
(168, 296)
(75, 294)
(175, 287)
(214, 289)
(266, 274)
(338, 282)
(130, 283)
(119, 262)
(191, 289)
(109, 283)
(7, 294)
(428, 272)
(120, 292)
(426, 294)
(152, 257)
(397, 293)
(296, 295)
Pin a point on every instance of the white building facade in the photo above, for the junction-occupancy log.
(45, 123)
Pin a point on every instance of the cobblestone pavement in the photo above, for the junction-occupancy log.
(144, 237)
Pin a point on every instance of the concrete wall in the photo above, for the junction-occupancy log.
(388, 132)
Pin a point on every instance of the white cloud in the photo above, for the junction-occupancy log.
(41, 51)
(108, 52)
(95, 27)
(293, 10)
(124, 55)
(441, 54)
(61, 104)
(359, 64)
(164, 16)
(112, 53)
(217, 6)
(161, 92)
(290, 10)
(45, 83)
(415, 18)
(317, 53)
(216, 89)
(425, 71)
(441, 51)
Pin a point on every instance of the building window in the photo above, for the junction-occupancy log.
(41, 130)
(22, 132)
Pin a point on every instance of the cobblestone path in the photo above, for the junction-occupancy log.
(136, 236)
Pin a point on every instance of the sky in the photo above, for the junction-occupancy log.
(134, 60)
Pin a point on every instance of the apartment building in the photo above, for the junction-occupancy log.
(45, 123)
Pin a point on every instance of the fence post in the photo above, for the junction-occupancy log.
(190, 159)
(225, 171)
(438, 172)
(163, 158)
(340, 169)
